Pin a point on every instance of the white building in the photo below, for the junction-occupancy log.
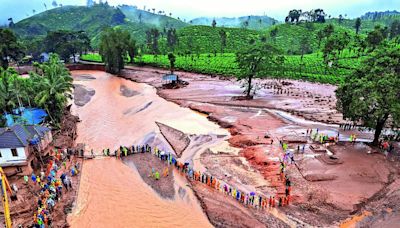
(17, 144)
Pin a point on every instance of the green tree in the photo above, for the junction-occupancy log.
(53, 88)
(328, 30)
(7, 99)
(334, 46)
(254, 60)
(305, 46)
(376, 36)
(371, 95)
(67, 43)
(172, 38)
(222, 35)
(214, 23)
(273, 33)
(114, 44)
(294, 16)
(171, 58)
(357, 25)
(132, 50)
(9, 47)
(152, 36)
(320, 35)
(394, 29)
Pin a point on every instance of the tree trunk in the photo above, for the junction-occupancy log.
(249, 86)
(378, 129)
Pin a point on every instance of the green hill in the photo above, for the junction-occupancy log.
(160, 21)
(89, 19)
(254, 22)
(93, 20)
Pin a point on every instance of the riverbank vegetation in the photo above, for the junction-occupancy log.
(48, 87)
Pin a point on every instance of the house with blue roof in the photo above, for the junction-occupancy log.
(18, 143)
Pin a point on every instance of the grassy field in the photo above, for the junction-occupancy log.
(311, 68)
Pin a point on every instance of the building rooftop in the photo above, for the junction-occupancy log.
(20, 136)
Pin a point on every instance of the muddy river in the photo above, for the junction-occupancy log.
(122, 112)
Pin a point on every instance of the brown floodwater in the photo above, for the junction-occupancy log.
(111, 194)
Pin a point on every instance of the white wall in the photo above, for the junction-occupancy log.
(6, 156)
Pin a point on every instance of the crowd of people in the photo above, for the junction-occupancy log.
(246, 198)
(51, 181)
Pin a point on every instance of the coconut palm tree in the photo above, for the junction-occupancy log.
(7, 98)
(54, 88)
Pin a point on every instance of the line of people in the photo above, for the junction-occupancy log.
(241, 196)
(246, 198)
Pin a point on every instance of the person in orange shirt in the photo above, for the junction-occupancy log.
(214, 182)
(166, 171)
(273, 201)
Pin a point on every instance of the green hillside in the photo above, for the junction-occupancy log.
(289, 36)
(89, 19)
(206, 39)
(136, 15)
(254, 22)
(93, 20)
(367, 25)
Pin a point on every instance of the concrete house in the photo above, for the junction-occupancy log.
(17, 145)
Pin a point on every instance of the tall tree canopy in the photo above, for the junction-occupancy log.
(371, 95)
(377, 36)
(67, 43)
(171, 58)
(253, 61)
(394, 29)
(53, 86)
(357, 25)
(214, 23)
(9, 48)
(152, 36)
(222, 35)
(115, 44)
(133, 49)
(49, 89)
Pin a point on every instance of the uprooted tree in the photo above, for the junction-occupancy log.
(371, 95)
(253, 61)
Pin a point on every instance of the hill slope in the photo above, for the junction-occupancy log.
(134, 14)
(89, 19)
(206, 39)
(369, 20)
(254, 22)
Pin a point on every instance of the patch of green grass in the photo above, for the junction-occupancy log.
(92, 57)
